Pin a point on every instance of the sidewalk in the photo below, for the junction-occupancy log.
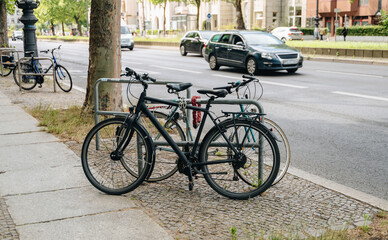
(45, 195)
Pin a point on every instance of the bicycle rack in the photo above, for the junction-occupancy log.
(36, 74)
(8, 50)
(188, 100)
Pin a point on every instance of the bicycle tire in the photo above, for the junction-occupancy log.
(112, 176)
(6, 71)
(63, 78)
(284, 149)
(232, 184)
(25, 79)
(165, 164)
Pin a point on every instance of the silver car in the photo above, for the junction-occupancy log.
(288, 33)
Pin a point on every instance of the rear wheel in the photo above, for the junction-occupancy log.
(254, 167)
(27, 82)
(165, 158)
(63, 78)
(213, 63)
(111, 172)
(183, 50)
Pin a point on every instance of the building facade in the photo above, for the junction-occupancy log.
(13, 20)
(257, 14)
(349, 13)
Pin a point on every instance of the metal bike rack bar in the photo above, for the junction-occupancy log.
(36, 74)
(8, 50)
(188, 100)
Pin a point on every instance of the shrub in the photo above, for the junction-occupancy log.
(365, 31)
(307, 31)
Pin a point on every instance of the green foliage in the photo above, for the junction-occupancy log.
(365, 31)
(10, 5)
(307, 31)
(383, 19)
(233, 232)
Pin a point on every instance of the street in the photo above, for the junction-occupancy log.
(335, 114)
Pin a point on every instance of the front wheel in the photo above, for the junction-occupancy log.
(27, 82)
(6, 71)
(251, 66)
(63, 78)
(116, 172)
(183, 50)
(249, 171)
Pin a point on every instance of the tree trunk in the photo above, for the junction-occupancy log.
(78, 25)
(164, 17)
(52, 27)
(63, 29)
(104, 55)
(239, 16)
(3, 24)
(198, 2)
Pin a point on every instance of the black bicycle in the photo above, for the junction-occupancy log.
(118, 153)
(28, 82)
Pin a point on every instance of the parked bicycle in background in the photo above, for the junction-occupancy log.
(28, 82)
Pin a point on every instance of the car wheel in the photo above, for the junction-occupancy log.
(183, 50)
(213, 63)
(283, 39)
(203, 49)
(252, 66)
(293, 70)
(131, 48)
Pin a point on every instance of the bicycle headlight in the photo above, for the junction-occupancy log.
(268, 56)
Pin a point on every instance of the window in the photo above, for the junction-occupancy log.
(225, 38)
(364, 2)
(216, 37)
(237, 39)
(259, 19)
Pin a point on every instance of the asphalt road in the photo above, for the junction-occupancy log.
(334, 114)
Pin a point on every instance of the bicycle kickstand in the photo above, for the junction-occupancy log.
(191, 181)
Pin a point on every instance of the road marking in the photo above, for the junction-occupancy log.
(353, 74)
(361, 96)
(265, 82)
(79, 89)
(176, 69)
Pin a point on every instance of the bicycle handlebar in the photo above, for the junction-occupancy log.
(142, 78)
(237, 84)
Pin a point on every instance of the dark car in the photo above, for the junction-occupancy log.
(195, 42)
(253, 50)
(17, 35)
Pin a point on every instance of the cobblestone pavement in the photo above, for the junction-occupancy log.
(7, 226)
(294, 206)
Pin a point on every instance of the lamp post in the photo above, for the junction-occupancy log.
(28, 19)
(316, 19)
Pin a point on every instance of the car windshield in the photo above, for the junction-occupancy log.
(124, 30)
(261, 39)
(206, 35)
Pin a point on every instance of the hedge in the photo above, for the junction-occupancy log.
(365, 31)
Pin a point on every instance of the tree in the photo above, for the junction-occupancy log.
(51, 11)
(77, 10)
(5, 5)
(163, 4)
(197, 3)
(239, 15)
(383, 19)
(104, 54)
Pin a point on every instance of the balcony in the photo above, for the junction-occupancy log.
(346, 6)
(327, 6)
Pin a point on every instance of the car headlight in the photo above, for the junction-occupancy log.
(268, 56)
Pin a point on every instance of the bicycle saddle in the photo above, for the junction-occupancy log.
(178, 86)
(29, 52)
(218, 93)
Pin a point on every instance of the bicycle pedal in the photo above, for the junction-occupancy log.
(40, 86)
